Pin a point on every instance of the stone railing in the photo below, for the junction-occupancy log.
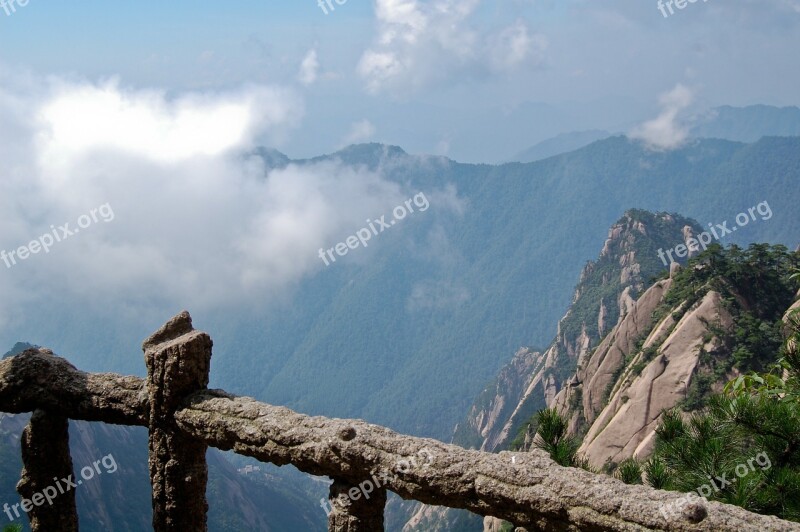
(184, 418)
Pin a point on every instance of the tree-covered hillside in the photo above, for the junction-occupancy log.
(407, 332)
(497, 277)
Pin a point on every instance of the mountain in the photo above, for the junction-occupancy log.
(604, 296)
(739, 124)
(563, 143)
(440, 318)
(272, 158)
(748, 124)
(406, 333)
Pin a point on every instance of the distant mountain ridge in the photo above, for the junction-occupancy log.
(559, 144)
(18, 348)
(748, 124)
(738, 124)
(350, 344)
(536, 199)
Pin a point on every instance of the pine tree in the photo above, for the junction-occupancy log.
(552, 437)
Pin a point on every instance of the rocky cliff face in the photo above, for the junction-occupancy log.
(598, 371)
(626, 383)
(605, 295)
(499, 401)
(668, 352)
(626, 426)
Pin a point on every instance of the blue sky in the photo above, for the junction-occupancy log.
(590, 64)
(105, 38)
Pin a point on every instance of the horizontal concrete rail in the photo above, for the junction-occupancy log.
(37, 379)
(528, 489)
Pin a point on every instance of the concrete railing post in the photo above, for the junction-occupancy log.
(47, 485)
(354, 508)
(178, 361)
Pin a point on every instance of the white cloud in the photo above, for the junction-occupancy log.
(360, 132)
(515, 45)
(424, 42)
(80, 119)
(198, 223)
(309, 68)
(378, 68)
(667, 131)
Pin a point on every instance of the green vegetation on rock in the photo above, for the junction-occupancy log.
(750, 436)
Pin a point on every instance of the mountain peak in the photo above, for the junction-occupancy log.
(18, 348)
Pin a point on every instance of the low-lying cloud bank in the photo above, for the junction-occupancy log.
(197, 221)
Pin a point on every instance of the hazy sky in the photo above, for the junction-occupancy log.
(462, 78)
